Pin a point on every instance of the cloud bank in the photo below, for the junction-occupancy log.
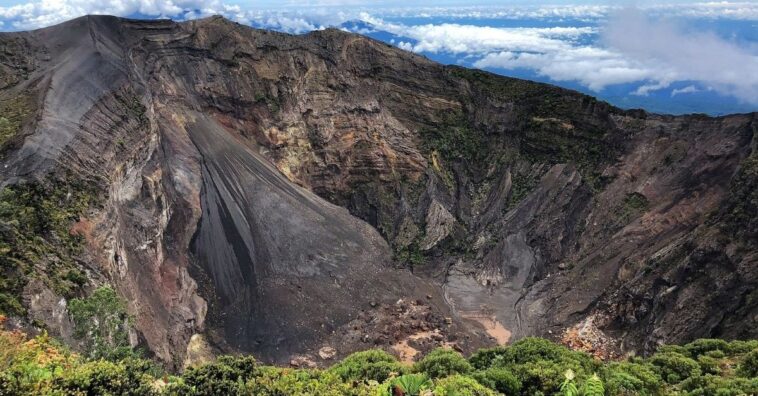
(678, 54)
(637, 48)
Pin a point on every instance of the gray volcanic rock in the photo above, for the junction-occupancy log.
(284, 194)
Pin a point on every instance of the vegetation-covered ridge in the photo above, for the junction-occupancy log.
(531, 366)
(38, 240)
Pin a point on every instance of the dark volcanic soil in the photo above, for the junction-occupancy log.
(298, 197)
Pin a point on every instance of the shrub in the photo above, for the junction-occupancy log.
(458, 385)
(749, 365)
(102, 377)
(538, 363)
(717, 354)
(442, 363)
(739, 347)
(710, 385)
(499, 379)
(709, 365)
(539, 377)
(28, 366)
(700, 347)
(675, 367)
(375, 364)
(625, 378)
(287, 382)
(673, 348)
(226, 375)
(532, 349)
(489, 357)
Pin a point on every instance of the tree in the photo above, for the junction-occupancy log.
(101, 323)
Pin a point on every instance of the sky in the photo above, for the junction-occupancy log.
(672, 56)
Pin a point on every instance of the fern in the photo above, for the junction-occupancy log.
(593, 387)
(411, 384)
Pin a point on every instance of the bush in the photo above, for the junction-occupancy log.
(489, 357)
(375, 364)
(675, 367)
(499, 379)
(710, 385)
(749, 365)
(288, 382)
(226, 375)
(459, 385)
(442, 363)
(532, 349)
(625, 378)
(538, 363)
(709, 365)
(717, 354)
(739, 347)
(28, 366)
(673, 348)
(102, 377)
(700, 347)
(540, 377)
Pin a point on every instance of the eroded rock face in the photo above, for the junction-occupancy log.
(269, 193)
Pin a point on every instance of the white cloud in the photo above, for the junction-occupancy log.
(679, 54)
(686, 90)
(744, 10)
(470, 39)
(636, 48)
(593, 67)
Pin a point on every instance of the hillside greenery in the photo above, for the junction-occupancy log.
(37, 240)
(531, 366)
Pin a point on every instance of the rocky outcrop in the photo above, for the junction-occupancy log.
(279, 194)
(439, 224)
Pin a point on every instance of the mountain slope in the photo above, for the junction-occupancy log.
(213, 160)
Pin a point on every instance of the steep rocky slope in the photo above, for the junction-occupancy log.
(275, 194)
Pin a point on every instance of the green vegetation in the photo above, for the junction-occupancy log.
(410, 255)
(133, 106)
(633, 205)
(521, 186)
(441, 363)
(375, 365)
(271, 102)
(553, 125)
(454, 139)
(411, 384)
(36, 238)
(13, 113)
(531, 366)
(458, 385)
(102, 324)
